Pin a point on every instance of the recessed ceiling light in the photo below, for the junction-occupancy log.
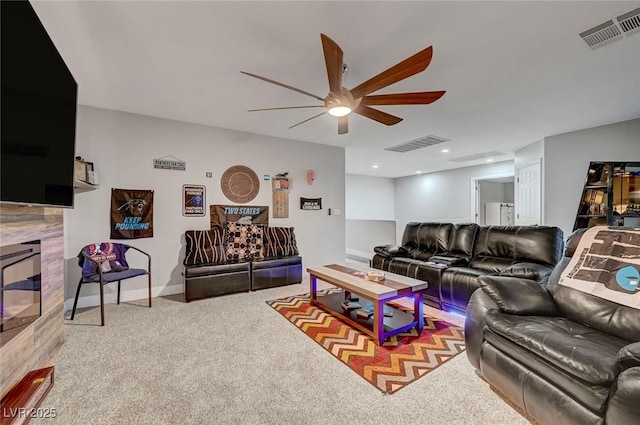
(418, 172)
(445, 151)
(489, 159)
(375, 165)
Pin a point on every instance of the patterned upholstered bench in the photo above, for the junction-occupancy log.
(239, 258)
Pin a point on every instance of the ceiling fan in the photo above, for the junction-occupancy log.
(340, 101)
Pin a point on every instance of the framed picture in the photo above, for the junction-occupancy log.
(193, 200)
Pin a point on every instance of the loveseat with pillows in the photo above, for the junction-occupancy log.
(239, 258)
(559, 352)
(451, 258)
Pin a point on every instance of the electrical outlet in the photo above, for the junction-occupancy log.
(209, 175)
(337, 211)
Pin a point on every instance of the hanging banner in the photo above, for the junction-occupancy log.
(311, 204)
(131, 214)
(221, 214)
(193, 200)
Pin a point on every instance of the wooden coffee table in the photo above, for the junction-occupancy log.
(393, 287)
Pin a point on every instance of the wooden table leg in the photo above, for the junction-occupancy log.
(312, 290)
(418, 311)
(378, 322)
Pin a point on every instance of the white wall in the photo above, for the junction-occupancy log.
(370, 214)
(122, 147)
(567, 157)
(369, 198)
(443, 196)
(509, 191)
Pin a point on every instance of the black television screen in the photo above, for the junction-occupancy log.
(38, 112)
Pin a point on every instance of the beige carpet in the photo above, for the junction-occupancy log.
(234, 360)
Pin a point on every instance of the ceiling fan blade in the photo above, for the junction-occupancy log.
(268, 80)
(308, 119)
(343, 125)
(418, 98)
(376, 115)
(333, 61)
(408, 67)
(285, 107)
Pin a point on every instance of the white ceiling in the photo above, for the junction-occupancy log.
(514, 72)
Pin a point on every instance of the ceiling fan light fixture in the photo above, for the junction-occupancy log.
(340, 111)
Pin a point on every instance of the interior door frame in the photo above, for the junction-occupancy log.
(474, 192)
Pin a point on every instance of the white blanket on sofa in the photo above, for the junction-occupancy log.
(607, 264)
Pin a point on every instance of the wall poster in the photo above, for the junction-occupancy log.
(221, 214)
(193, 200)
(311, 204)
(131, 214)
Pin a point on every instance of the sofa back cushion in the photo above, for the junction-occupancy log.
(243, 241)
(462, 240)
(598, 313)
(535, 244)
(424, 240)
(279, 242)
(204, 247)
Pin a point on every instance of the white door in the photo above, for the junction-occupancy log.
(528, 202)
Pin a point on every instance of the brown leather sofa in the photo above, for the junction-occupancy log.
(564, 356)
(208, 271)
(451, 258)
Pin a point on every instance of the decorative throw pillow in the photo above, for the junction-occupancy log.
(279, 242)
(243, 242)
(204, 246)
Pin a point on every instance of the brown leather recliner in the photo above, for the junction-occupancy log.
(564, 356)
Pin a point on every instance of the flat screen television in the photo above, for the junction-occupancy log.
(38, 112)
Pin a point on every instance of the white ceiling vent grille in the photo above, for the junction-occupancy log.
(602, 35)
(420, 143)
(612, 30)
(475, 156)
(630, 22)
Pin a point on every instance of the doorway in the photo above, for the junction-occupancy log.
(493, 200)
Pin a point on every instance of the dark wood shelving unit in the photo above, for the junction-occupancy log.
(611, 196)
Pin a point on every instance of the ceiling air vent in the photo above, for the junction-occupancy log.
(630, 22)
(475, 156)
(420, 143)
(602, 35)
(612, 30)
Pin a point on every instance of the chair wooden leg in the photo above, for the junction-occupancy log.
(101, 304)
(118, 300)
(75, 301)
(149, 289)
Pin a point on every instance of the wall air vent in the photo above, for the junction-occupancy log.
(420, 143)
(612, 30)
(630, 22)
(475, 156)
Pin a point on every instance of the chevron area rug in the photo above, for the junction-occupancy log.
(401, 360)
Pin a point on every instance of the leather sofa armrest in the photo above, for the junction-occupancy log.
(532, 271)
(629, 356)
(623, 406)
(477, 308)
(391, 251)
(522, 297)
(449, 261)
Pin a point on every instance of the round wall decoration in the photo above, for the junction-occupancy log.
(240, 184)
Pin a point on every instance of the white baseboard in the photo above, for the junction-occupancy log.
(110, 297)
